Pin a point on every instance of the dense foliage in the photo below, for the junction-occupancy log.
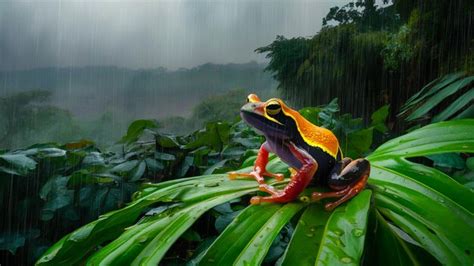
(155, 197)
(99, 102)
(74, 183)
(408, 215)
(368, 55)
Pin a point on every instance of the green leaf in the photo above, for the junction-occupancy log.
(154, 165)
(51, 152)
(185, 165)
(124, 167)
(158, 237)
(344, 235)
(439, 246)
(390, 248)
(432, 88)
(247, 239)
(113, 224)
(304, 245)
(449, 160)
(311, 114)
(136, 129)
(20, 162)
(359, 142)
(164, 156)
(457, 105)
(215, 167)
(167, 141)
(12, 241)
(428, 208)
(468, 113)
(442, 137)
(379, 117)
(93, 159)
(439, 97)
(138, 172)
(83, 177)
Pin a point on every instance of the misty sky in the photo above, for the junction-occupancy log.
(148, 34)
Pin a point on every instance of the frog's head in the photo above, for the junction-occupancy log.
(266, 117)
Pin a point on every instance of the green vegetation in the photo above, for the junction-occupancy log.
(408, 214)
(78, 182)
(159, 193)
(368, 55)
(94, 103)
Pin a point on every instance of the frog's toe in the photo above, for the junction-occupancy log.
(232, 175)
(278, 177)
(255, 200)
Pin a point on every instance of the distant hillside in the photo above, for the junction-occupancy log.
(90, 91)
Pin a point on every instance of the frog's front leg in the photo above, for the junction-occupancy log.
(347, 179)
(298, 182)
(259, 170)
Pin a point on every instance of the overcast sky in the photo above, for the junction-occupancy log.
(148, 34)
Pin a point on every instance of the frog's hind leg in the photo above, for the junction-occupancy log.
(348, 183)
(298, 182)
(259, 171)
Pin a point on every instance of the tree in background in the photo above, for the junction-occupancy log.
(368, 55)
(26, 117)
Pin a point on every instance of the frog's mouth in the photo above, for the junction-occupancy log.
(263, 125)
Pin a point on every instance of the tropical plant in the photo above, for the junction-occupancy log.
(448, 97)
(409, 214)
(369, 54)
(28, 117)
(72, 184)
(355, 138)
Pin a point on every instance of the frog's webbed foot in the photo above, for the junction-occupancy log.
(297, 184)
(348, 183)
(259, 171)
(257, 174)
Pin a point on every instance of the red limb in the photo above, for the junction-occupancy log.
(354, 190)
(298, 182)
(357, 170)
(259, 170)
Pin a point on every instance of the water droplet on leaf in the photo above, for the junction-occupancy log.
(346, 260)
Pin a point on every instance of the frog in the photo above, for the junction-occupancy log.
(313, 154)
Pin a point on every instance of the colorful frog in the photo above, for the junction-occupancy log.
(312, 152)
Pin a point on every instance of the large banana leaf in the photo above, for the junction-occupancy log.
(417, 214)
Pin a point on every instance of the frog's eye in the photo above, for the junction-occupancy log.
(273, 108)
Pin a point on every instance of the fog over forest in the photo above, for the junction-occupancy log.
(148, 34)
(103, 64)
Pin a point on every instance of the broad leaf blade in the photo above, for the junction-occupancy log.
(457, 105)
(304, 245)
(343, 239)
(439, 97)
(442, 137)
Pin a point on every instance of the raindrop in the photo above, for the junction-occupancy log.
(339, 243)
(212, 185)
(302, 222)
(357, 232)
(142, 239)
(338, 232)
(309, 234)
(346, 260)
(211, 260)
(312, 229)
